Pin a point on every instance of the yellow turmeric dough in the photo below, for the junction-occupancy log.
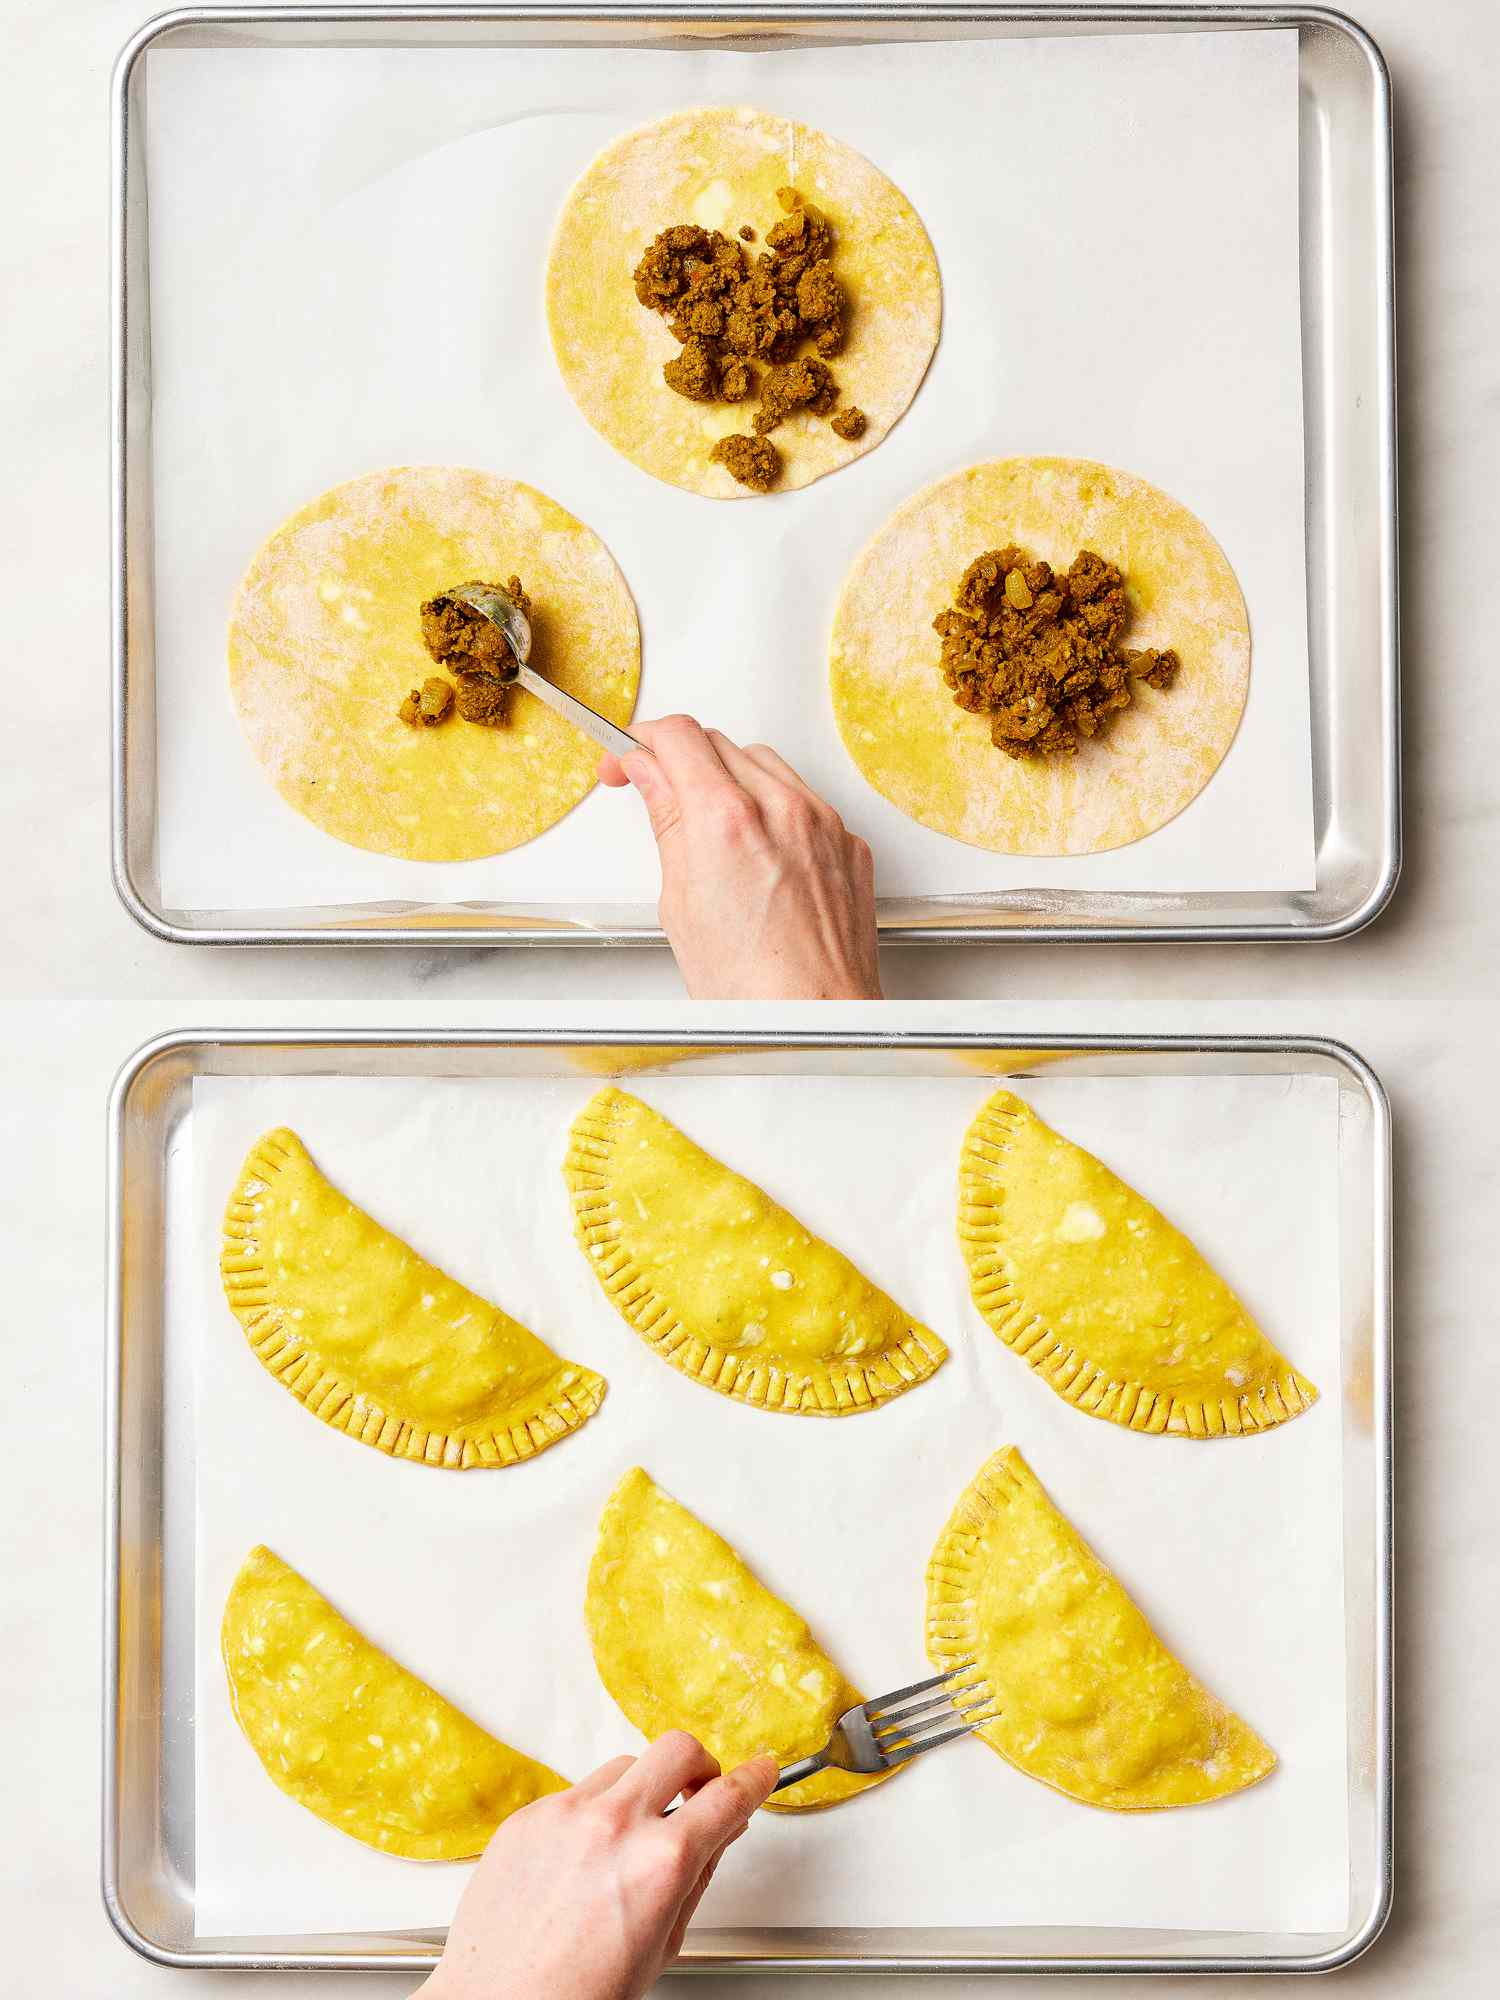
(685, 1636)
(1090, 1701)
(719, 166)
(934, 761)
(325, 642)
(723, 1282)
(1111, 1305)
(355, 1738)
(374, 1339)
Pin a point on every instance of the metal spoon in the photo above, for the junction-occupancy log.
(503, 611)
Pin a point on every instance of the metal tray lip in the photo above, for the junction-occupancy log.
(1341, 925)
(181, 1041)
(1325, 1048)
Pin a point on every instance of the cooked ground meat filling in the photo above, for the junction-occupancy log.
(750, 460)
(474, 650)
(734, 313)
(804, 384)
(425, 707)
(1040, 654)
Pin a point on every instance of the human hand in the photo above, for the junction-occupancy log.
(588, 1892)
(765, 894)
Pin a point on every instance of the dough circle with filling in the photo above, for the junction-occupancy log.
(719, 166)
(913, 743)
(325, 641)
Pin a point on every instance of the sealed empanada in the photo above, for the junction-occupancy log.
(723, 1282)
(354, 1737)
(685, 1636)
(374, 1339)
(1090, 1701)
(1102, 1296)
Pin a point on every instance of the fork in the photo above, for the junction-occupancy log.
(880, 1734)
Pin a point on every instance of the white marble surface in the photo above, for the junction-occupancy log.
(83, 986)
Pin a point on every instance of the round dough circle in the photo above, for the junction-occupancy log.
(325, 642)
(935, 761)
(720, 166)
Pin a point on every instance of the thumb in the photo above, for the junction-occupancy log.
(655, 789)
(725, 1805)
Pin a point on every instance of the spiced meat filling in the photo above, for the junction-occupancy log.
(474, 650)
(746, 325)
(1040, 653)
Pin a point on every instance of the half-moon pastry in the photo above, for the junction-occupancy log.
(685, 1636)
(355, 1738)
(723, 1282)
(374, 1339)
(1090, 1701)
(1102, 1296)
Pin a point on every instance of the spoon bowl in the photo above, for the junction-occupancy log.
(502, 610)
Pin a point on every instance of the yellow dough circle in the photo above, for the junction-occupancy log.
(1090, 1700)
(686, 1636)
(325, 642)
(346, 1731)
(720, 166)
(913, 743)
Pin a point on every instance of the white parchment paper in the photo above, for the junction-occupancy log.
(347, 251)
(476, 1580)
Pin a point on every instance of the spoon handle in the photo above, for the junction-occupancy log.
(605, 734)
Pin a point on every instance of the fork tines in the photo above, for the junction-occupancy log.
(920, 1717)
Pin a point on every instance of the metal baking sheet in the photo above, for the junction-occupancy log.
(1349, 441)
(150, 1699)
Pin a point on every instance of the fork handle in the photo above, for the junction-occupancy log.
(793, 1774)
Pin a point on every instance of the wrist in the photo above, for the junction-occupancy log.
(447, 1982)
(828, 982)
(442, 1984)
